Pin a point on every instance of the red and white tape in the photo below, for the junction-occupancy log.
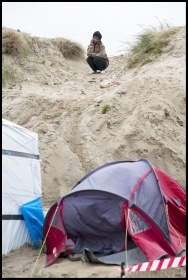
(158, 264)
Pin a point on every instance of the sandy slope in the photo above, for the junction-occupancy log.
(60, 101)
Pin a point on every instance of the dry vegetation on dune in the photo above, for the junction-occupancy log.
(136, 110)
(149, 44)
(22, 47)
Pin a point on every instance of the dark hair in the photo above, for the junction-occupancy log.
(97, 34)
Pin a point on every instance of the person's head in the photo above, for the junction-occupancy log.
(96, 37)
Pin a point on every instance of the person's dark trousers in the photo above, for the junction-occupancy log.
(97, 63)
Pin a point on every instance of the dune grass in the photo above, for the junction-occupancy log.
(105, 108)
(70, 49)
(8, 75)
(149, 44)
(15, 43)
(19, 46)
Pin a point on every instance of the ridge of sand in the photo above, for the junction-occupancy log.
(60, 101)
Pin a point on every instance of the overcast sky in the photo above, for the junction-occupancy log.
(118, 22)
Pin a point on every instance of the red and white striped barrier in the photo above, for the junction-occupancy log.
(158, 264)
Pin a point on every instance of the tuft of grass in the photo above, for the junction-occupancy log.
(40, 61)
(105, 107)
(15, 43)
(70, 50)
(8, 75)
(149, 44)
(166, 113)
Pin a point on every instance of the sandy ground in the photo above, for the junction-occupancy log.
(60, 101)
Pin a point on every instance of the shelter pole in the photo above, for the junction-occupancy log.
(126, 230)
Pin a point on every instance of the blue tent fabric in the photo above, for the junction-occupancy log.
(34, 218)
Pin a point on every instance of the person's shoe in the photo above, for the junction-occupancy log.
(103, 72)
(92, 72)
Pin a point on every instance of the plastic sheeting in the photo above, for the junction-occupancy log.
(21, 182)
(19, 139)
(34, 218)
(14, 234)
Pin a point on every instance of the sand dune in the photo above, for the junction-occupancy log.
(60, 101)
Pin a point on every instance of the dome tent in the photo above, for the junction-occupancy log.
(115, 199)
